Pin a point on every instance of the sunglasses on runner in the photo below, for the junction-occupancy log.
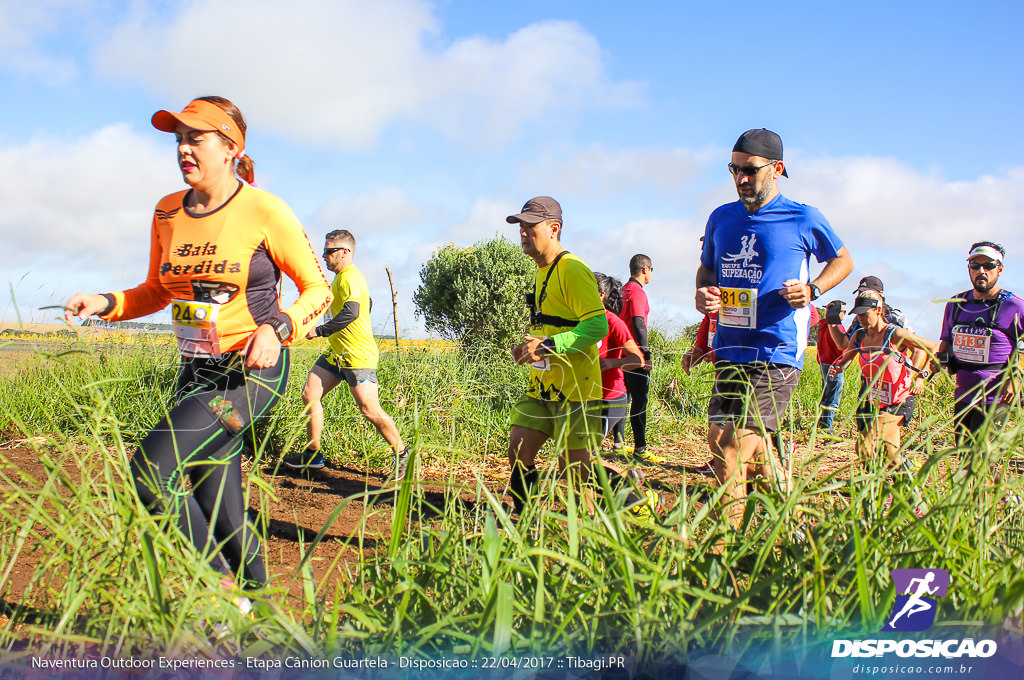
(747, 170)
(987, 266)
(331, 251)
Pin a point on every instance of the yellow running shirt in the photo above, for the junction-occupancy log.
(220, 271)
(353, 346)
(572, 294)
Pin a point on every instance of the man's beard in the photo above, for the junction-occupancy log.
(980, 287)
(759, 198)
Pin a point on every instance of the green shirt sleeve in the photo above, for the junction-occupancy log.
(586, 333)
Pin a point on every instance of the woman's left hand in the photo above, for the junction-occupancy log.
(917, 386)
(265, 349)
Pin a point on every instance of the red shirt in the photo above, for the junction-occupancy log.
(706, 333)
(828, 353)
(634, 302)
(613, 381)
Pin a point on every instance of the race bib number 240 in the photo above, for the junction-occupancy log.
(195, 327)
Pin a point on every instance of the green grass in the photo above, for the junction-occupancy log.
(466, 581)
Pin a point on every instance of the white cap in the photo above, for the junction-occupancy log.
(987, 251)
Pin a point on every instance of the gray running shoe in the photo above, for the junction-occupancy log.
(401, 464)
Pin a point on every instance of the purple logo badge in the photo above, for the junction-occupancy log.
(916, 590)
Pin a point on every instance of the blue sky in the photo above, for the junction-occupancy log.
(414, 124)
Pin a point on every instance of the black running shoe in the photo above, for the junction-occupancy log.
(306, 460)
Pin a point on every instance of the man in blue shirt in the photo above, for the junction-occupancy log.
(755, 273)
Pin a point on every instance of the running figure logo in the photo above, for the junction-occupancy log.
(916, 590)
(747, 252)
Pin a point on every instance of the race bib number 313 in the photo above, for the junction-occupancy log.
(971, 345)
(739, 308)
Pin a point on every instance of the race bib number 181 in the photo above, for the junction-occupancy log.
(739, 308)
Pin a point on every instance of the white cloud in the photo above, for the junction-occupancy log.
(486, 220)
(82, 202)
(25, 25)
(341, 72)
(598, 171)
(883, 203)
(386, 210)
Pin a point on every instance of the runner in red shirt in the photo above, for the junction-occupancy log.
(828, 353)
(618, 353)
(635, 311)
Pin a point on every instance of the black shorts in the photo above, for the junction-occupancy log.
(353, 376)
(969, 418)
(612, 412)
(753, 396)
(867, 412)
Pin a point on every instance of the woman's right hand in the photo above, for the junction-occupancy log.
(84, 305)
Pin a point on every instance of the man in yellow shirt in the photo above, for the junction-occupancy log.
(352, 357)
(563, 399)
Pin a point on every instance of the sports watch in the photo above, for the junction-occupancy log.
(815, 291)
(281, 328)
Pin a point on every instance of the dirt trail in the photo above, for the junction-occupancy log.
(302, 504)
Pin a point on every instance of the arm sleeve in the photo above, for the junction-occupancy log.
(583, 303)
(639, 328)
(348, 314)
(291, 251)
(146, 298)
(585, 334)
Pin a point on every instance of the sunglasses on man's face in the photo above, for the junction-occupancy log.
(331, 251)
(987, 266)
(747, 170)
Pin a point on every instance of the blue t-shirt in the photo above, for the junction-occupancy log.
(752, 254)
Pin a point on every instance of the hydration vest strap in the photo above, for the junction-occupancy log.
(536, 316)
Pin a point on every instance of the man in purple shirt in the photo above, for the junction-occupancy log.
(978, 344)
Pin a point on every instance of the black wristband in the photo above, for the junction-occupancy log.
(111, 302)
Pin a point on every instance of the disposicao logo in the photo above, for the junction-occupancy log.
(916, 590)
(914, 611)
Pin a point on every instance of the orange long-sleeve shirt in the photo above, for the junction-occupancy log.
(232, 257)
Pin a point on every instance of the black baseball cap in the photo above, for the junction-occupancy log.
(536, 210)
(761, 142)
(870, 283)
(864, 303)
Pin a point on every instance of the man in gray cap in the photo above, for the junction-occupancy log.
(755, 273)
(567, 320)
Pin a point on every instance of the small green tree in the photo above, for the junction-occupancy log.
(475, 295)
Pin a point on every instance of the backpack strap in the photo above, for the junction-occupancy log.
(538, 317)
(992, 308)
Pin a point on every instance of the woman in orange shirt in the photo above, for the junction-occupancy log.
(216, 256)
